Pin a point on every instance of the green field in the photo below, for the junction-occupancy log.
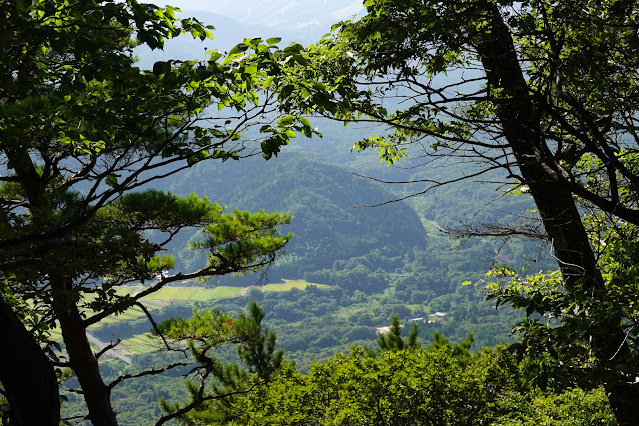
(288, 285)
(184, 293)
(140, 344)
(220, 292)
(128, 290)
(201, 294)
(165, 293)
(188, 294)
(130, 314)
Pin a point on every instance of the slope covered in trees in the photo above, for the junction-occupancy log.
(320, 196)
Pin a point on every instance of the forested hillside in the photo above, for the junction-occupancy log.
(374, 262)
(320, 196)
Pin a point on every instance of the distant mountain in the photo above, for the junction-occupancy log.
(229, 32)
(321, 197)
(300, 16)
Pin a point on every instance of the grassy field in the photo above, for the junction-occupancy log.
(185, 294)
(220, 292)
(130, 314)
(169, 294)
(141, 344)
(288, 285)
(128, 290)
(165, 293)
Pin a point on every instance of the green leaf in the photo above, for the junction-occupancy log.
(238, 50)
(112, 180)
(161, 67)
(300, 59)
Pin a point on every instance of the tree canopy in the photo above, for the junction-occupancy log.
(415, 386)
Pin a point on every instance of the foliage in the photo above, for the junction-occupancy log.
(461, 350)
(207, 331)
(82, 129)
(258, 353)
(392, 341)
(572, 407)
(444, 384)
(556, 315)
(398, 387)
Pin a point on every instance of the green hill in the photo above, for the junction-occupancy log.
(320, 196)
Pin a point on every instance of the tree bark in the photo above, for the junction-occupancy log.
(27, 375)
(553, 197)
(96, 394)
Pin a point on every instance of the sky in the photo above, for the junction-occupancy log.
(302, 21)
(277, 14)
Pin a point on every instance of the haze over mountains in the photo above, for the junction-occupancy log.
(281, 15)
(293, 21)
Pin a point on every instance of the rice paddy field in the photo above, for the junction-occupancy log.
(291, 284)
(141, 343)
(187, 294)
(132, 313)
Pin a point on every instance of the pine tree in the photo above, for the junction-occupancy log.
(210, 401)
(392, 341)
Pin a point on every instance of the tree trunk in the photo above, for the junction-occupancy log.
(96, 394)
(554, 200)
(27, 375)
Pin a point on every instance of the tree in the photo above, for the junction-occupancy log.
(258, 352)
(572, 407)
(461, 350)
(82, 127)
(543, 90)
(207, 331)
(397, 388)
(392, 341)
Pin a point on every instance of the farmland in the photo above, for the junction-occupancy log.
(140, 343)
(291, 284)
(183, 294)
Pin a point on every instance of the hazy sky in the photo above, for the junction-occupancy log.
(287, 14)
(302, 21)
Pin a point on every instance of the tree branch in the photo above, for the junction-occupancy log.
(150, 372)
